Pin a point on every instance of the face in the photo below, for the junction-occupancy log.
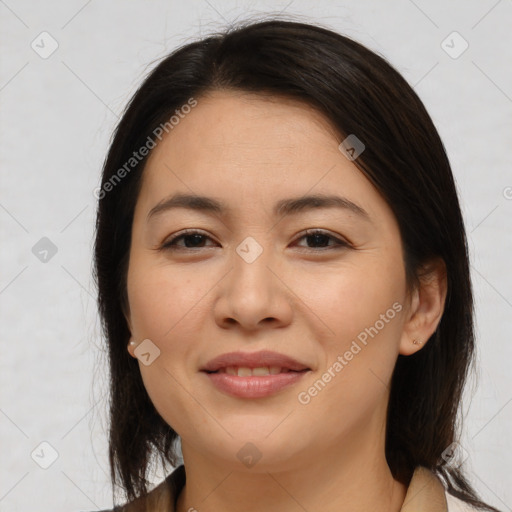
(260, 267)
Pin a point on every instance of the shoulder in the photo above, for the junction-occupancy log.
(162, 497)
(457, 505)
(426, 492)
(157, 499)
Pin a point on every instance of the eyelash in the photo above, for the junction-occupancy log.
(169, 245)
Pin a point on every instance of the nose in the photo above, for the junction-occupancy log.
(252, 295)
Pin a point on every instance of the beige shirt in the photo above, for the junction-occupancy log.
(425, 493)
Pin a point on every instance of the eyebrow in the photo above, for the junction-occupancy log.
(283, 207)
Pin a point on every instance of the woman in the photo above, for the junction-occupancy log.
(284, 282)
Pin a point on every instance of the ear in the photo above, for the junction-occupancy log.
(127, 317)
(126, 313)
(125, 309)
(426, 307)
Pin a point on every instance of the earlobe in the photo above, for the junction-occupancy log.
(427, 307)
(410, 345)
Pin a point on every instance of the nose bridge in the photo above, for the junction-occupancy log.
(251, 276)
(251, 293)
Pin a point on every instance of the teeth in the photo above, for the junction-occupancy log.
(243, 371)
(261, 371)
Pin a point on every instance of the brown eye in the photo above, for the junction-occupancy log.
(192, 240)
(321, 239)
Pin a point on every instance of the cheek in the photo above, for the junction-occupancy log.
(362, 306)
(162, 300)
(351, 297)
(165, 308)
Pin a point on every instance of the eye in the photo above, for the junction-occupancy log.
(193, 239)
(321, 239)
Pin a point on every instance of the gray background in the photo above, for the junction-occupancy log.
(57, 114)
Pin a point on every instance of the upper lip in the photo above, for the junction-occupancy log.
(253, 360)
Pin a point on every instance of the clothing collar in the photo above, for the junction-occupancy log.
(425, 493)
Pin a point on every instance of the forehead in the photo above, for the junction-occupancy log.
(237, 125)
(252, 145)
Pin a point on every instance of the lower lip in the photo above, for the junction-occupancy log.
(254, 386)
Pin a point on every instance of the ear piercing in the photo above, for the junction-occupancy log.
(416, 342)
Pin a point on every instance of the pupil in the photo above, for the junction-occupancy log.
(318, 239)
(197, 239)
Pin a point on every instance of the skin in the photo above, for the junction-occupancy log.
(299, 298)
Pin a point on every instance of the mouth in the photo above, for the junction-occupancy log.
(258, 362)
(252, 385)
(261, 371)
(253, 375)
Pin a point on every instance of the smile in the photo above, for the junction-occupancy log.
(253, 382)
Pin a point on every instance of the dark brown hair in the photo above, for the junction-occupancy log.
(361, 94)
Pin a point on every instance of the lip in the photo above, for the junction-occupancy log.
(254, 360)
(254, 386)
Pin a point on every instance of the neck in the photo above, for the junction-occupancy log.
(354, 480)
